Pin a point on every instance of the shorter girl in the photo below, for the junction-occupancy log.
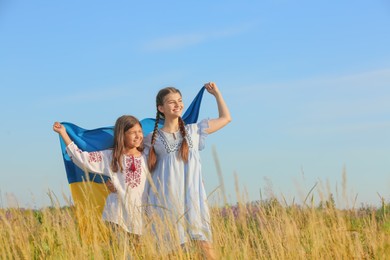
(126, 166)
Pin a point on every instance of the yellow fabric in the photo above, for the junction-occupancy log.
(89, 200)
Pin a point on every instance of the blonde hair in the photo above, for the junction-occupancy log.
(183, 153)
(122, 124)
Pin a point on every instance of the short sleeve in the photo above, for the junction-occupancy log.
(202, 126)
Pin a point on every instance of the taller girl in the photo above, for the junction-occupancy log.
(179, 197)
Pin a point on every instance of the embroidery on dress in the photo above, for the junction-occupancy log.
(133, 171)
(173, 147)
(94, 157)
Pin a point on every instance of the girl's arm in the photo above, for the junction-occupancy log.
(90, 161)
(61, 130)
(224, 113)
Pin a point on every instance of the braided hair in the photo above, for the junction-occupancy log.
(183, 153)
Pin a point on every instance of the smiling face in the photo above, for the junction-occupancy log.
(133, 137)
(172, 106)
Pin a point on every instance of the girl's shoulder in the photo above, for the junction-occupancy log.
(202, 124)
(107, 153)
(148, 138)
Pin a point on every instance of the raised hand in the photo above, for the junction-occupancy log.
(58, 127)
(61, 130)
(212, 88)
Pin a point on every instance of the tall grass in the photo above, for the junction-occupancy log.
(264, 229)
(267, 229)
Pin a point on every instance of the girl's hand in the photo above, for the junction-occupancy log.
(61, 130)
(212, 88)
(110, 186)
(58, 127)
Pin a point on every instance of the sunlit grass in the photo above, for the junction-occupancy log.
(269, 228)
(265, 229)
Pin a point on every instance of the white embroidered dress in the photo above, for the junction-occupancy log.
(124, 207)
(180, 199)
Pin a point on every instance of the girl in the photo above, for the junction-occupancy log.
(180, 199)
(125, 164)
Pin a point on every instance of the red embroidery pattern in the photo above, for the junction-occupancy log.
(94, 157)
(133, 174)
(77, 150)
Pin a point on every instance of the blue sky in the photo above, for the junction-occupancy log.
(307, 83)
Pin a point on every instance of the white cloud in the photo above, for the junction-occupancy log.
(175, 42)
(341, 128)
(380, 77)
(194, 38)
(354, 103)
(365, 79)
(82, 96)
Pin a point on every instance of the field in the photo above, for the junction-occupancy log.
(264, 229)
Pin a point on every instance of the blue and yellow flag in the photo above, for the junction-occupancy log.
(89, 188)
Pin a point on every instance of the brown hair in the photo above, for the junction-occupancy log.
(122, 124)
(152, 158)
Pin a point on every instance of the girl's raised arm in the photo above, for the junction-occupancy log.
(224, 113)
(61, 130)
(91, 161)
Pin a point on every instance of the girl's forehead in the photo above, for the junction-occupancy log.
(172, 96)
(135, 127)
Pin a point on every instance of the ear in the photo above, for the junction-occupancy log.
(160, 109)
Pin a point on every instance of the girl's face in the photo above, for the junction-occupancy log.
(134, 137)
(172, 106)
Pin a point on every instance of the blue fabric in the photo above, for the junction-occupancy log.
(102, 138)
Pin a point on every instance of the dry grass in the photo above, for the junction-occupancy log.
(258, 230)
(264, 229)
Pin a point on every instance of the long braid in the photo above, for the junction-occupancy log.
(184, 145)
(152, 158)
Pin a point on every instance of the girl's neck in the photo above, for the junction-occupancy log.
(171, 125)
(131, 151)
